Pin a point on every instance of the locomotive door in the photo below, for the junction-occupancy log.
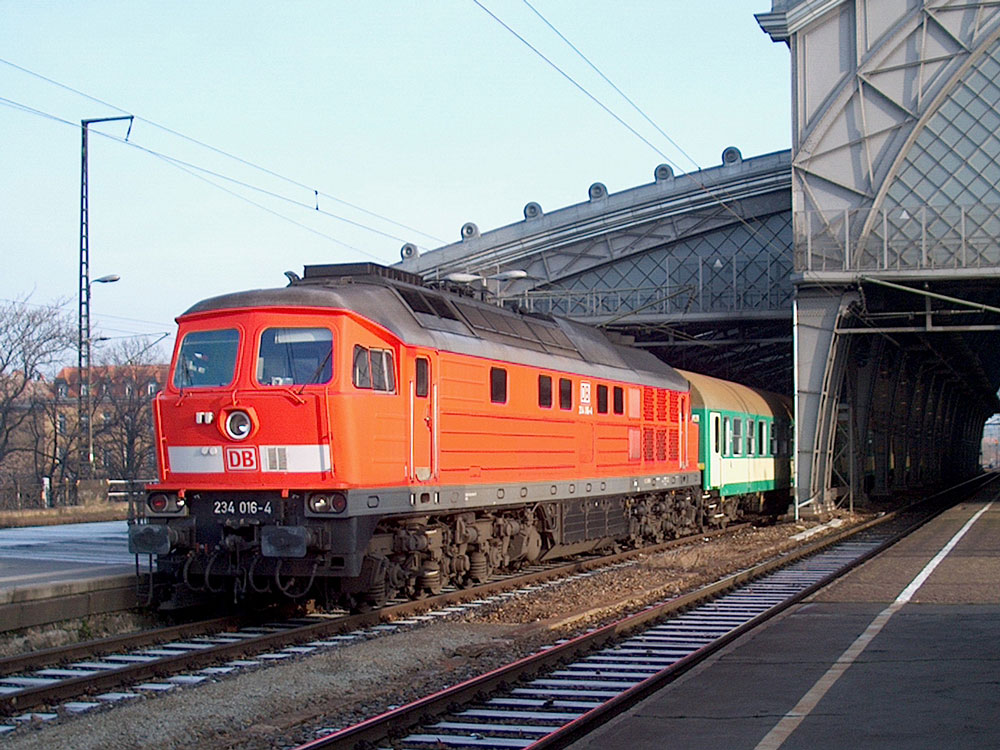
(422, 418)
(715, 438)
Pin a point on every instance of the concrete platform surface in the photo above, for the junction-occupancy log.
(857, 665)
(49, 573)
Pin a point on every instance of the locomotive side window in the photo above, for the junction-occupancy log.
(619, 400)
(374, 369)
(565, 393)
(545, 391)
(383, 371)
(498, 385)
(423, 377)
(295, 356)
(362, 376)
(602, 399)
(207, 359)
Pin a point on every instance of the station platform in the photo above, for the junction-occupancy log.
(49, 573)
(895, 654)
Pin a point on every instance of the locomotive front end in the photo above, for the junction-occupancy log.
(247, 484)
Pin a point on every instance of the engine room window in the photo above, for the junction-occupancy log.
(619, 400)
(602, 399)
(207, 359)
(498, 385)
(545, 391)
(565, 393)
(423, 377)
(295, 356)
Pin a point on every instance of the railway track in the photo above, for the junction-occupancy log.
(552, 698)
(159, 660)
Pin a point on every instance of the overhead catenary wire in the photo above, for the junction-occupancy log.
(716, 195)
(612, 84)
(191, 170)
(246, 162)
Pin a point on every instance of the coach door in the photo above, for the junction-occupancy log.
(422, 416)
(715, 449)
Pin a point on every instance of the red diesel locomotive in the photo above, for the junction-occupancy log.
(357, 435)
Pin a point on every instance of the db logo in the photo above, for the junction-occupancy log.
(241, 459)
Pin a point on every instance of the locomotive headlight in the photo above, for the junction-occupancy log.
(321, 502)
(238, 424)
(164, 503)
(158, 503)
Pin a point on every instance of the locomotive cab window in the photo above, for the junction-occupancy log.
(565, 393)
(374, 369)
(423, 385)
(545, 391)
(602, 399)
(619, 400)
(295, 356)
(207, 359)
(498, 385)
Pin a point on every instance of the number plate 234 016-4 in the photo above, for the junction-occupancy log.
(242, 507)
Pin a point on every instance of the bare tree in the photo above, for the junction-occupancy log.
(124, 386)
(33, 338)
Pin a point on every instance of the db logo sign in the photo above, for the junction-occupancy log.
(241, 459)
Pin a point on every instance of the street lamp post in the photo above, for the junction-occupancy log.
(83, 345)
(84, 375)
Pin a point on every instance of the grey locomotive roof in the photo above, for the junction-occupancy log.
(551, 343)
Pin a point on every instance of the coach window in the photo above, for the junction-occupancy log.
(565, 393)
(498, 385)
(602, 399)
(423, 377)
(727, 439)
(750, 437)
(762, 437)
(619, 400)
(545, 391)
(737, 448)
(295, 356)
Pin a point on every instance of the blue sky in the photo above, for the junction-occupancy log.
(429, 114)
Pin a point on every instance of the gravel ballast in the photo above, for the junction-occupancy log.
(287, 702)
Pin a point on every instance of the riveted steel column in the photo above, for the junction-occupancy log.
(820, 357)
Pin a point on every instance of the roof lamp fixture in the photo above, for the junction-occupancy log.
(462, 277)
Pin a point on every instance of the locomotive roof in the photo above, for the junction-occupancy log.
(448, 322)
